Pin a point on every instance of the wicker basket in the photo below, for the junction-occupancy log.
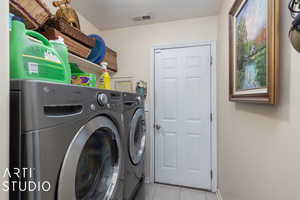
(74, 46)
(61, 25)
(111, 59)
(34, 12)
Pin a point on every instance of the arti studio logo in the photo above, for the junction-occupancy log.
(23, 180)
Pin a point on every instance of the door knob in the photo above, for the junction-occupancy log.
(158, 127)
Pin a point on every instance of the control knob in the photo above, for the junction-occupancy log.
(102, 99)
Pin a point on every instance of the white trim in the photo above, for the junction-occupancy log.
(152, 116)
(214, 138)
(219, 195)
(147, 180)
(214, 106)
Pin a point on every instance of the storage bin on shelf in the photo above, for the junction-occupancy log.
(74, 46)
(34, 12)
(64, 27)
(111, 59)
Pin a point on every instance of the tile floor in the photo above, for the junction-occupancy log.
(165, 192)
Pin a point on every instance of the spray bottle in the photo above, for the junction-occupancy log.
(104, 82)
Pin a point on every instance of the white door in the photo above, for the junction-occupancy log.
(183, 116)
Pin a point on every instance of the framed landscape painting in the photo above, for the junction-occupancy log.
(253, 50)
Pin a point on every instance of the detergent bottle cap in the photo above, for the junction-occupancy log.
(60, 40)
(104, 65)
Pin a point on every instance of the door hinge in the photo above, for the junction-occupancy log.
(211, 61)
(211, 174)
(211, 117)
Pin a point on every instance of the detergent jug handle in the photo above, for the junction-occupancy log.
(39, 37)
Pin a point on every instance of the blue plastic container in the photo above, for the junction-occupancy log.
(98, 53)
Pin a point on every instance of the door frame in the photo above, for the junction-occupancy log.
(212, 44)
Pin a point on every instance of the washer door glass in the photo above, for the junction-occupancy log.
(92, 163)
(137, 137)
(95, 168)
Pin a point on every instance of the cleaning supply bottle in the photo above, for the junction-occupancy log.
(61, 48)
(104, 82)
(32, 56)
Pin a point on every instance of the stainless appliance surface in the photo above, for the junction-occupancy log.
(71, 137)
(135, 140)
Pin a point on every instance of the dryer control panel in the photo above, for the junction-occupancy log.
(102, 99)
(110, 100)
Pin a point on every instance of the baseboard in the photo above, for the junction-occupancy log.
(219, 196)
(147, 180)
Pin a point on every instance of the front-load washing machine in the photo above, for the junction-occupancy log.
(68, 140)
(135, 134)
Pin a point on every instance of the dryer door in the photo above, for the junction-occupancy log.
(92, 163)
(137, 138)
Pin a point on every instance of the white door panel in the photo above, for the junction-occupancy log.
(182, 110)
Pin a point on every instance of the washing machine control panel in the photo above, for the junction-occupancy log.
(102, 99)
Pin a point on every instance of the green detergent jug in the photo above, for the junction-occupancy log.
(32, 56)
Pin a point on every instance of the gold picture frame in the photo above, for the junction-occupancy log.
(254, 51)
(123, 84)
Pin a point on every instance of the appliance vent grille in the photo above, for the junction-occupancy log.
(142, 18)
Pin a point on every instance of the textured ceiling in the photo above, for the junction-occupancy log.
(110, 14)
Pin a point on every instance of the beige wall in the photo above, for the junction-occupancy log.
(133, 45)
(4, 93)
(259, 146)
